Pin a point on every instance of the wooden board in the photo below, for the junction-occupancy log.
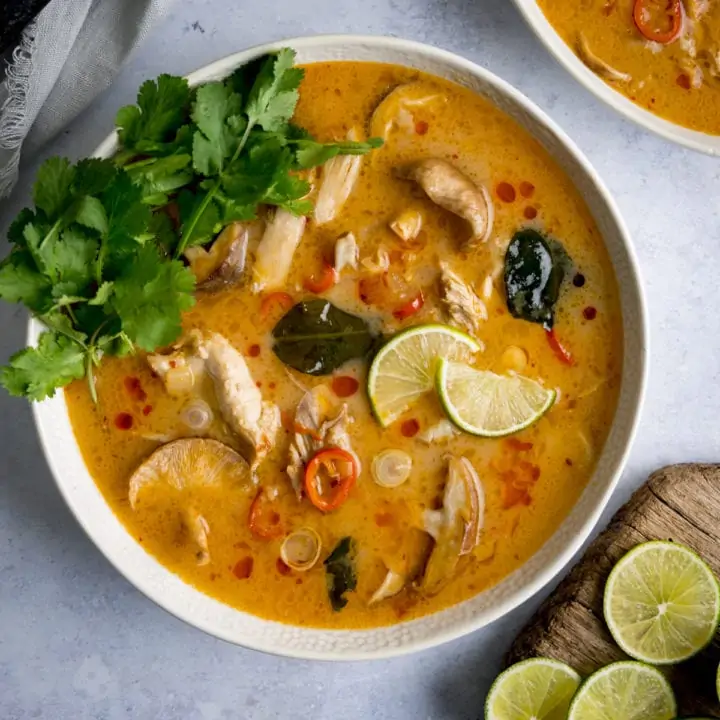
(680, 503)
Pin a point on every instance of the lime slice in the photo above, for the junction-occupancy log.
(624, 691)
(717, 682)
(535, 689)
(662, 603)
(404, 369)
(483, 403)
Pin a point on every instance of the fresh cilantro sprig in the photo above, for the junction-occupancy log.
(98, 259)
(88, 262)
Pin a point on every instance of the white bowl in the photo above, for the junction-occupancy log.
(693, 139)
(171, 593)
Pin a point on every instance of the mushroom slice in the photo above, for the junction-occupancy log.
(597, 65)
(400, 103)
(347, 252)
(188, 465)
(318, 424)
(453, 191)
(274, 255)
(391, 586)
(456, 527)
(224, 263)
(301, 549)
(465, 308)
(337, 181)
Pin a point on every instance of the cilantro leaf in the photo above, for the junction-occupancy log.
(103, 294)
(93, 175)
(72, 256)
(53, 188)
(157, 177)
(16, 231)
(274, 94)
(214, 141)
(37, 372)
(150, 296)
(310, 153)
(162, 231)
(20, 282)
(199, 217)
(160, 112)
(91, 214)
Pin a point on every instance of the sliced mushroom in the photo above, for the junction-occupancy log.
(391, 586)
(338, 179)
(407, 225)
(347, 252)
(318, 424)
(397, 107)
(274, 255)
(453, 191)
(456, 527)
(598, 65)
(187, 465)
(301, 549)
(465, 308)
(224, 263)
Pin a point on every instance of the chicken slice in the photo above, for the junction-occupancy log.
(456, 527)
(317, 425)
(347, 252)
(254, 422)
(465, 308)
(274, 255)
(453, 191)
(339, 176)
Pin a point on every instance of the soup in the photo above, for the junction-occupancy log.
(248, 457)
(662, 54)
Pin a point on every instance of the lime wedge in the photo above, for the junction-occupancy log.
(624, 691)
(483, 403)
(535, 689)
(662, 603)
(404, 368)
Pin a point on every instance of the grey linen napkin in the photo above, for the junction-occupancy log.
(71, 52)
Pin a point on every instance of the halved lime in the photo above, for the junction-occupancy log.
(404, 368)
(662, 603)
(535, 689)
(624, 691)
(483, 403)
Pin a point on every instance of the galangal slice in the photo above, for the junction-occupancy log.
(189, 465)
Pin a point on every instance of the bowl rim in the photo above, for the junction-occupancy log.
(673, 132)
(457, 629)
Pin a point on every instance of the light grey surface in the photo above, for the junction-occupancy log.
(77, 642)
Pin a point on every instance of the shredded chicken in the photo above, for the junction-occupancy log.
(453, 191)
(339, 176)
(379, 263)
(397, 107)
(407, 225)
(456, 527)
(597, 65)
(465, 308)
(274, 255)
(391, 586)
(224, 263)
(318, 424)
(253, 421)
(442, 431)
(347, 253)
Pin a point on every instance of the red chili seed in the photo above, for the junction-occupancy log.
(421, 127)
(530, 212)
(506, 192)
(243, 568)
(589, 313)
(410, 428)
(147, 409)
(254, 350)
(123, 421)
(527, 189)
(683, 81)
(345, 386)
